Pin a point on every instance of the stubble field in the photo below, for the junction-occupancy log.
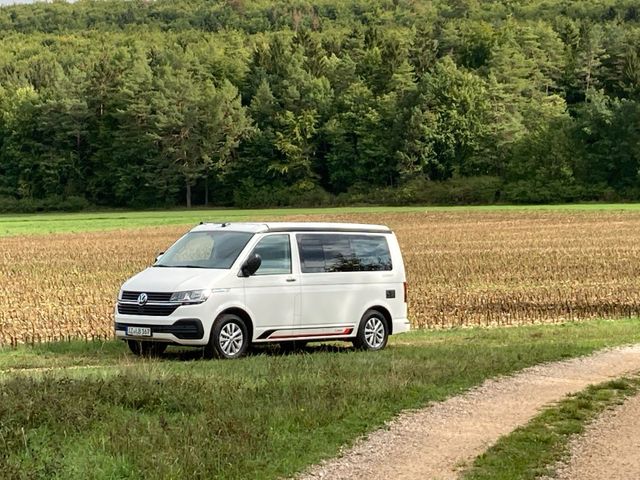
(464, 267)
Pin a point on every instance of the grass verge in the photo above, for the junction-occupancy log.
(531, 451)
(264, 416)
(46, 223)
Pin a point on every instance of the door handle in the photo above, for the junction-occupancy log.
(291, 279)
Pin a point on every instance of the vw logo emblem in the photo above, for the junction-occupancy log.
(142, 299)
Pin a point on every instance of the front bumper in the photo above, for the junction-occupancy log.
(184, 326)
(179, 331)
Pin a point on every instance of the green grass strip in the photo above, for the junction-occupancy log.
(47, 223)
(265, 416)
(532, 451)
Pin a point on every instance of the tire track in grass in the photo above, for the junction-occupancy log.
(12, 370)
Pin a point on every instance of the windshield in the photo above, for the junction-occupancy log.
(205, 250)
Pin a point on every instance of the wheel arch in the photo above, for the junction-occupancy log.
(243, 315)
(384, 311)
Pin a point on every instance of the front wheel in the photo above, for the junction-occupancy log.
(229, 337)
(146, 349)
(373, 332)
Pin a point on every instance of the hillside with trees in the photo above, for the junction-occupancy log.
(260, 103)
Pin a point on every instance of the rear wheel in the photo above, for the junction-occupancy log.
(229, 337)
(146, 349)
(373, 332)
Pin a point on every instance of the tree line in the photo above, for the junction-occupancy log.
(130, 103)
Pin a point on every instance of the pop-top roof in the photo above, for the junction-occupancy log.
(292, 227)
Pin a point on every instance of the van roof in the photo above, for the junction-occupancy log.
(255, 227)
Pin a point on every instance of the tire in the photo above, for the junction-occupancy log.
(373, 332)
(229, 338)
(146, 349)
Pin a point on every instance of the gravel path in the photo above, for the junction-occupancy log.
(609, 447)
(433, 443)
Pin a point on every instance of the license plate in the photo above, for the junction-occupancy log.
(139, 331)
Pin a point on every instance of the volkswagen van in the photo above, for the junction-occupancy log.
(227, 286)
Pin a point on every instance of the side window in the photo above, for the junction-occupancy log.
(275, 251)
(311, 253)
(372, 252)
(338, 256)
(343, 253)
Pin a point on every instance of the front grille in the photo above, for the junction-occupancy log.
(151, 310)
(152, 296)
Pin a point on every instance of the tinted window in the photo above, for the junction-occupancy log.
(275, 251)
(205, 250)
(343, 253)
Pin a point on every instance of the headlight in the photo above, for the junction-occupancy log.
(190, 296)
(120, 295)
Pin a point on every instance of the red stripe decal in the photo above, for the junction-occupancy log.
(346, 331)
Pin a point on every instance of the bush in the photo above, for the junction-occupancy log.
(8, 204)
(247, 195)
(73, 204)
(48, 204)
(464, 191)
(533, 191)
(458, 191)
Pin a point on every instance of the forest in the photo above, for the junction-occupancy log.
(248, 103)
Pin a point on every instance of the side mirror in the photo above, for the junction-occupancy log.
(159, 255)
(251, 265)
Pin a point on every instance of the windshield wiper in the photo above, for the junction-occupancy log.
(180, 266)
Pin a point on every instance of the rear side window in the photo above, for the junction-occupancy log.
(343, 253)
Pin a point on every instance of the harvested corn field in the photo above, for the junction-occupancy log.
(466, 267)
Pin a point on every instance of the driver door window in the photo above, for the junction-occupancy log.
(275, 251)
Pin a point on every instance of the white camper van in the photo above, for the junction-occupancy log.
(227, 286)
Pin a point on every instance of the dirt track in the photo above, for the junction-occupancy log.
(433, 443)
(609, 448)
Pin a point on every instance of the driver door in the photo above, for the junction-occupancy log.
(272, 294)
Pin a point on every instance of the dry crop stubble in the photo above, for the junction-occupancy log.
(463, 268)
(64, 286)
